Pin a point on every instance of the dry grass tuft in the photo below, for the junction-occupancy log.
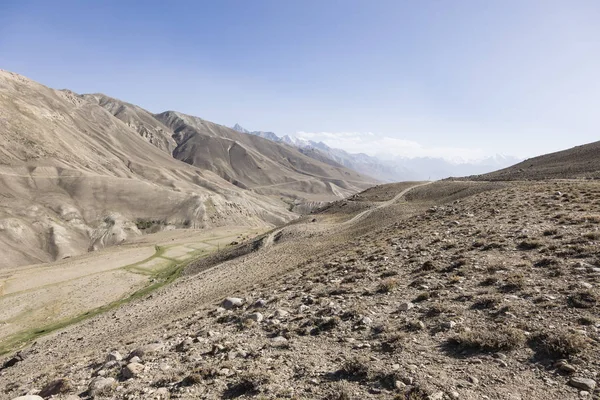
(583, 299)
(387, 285)
(487, 340)
(558, 344)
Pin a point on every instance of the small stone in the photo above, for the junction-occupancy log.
(448, 325)
(217, 348)
(111, 364)
(29, 397)
(408, 380)
(256, 317)
(399, 385)
(114, 356)
(232, 302)
(132, 370)
(185, 346)
(583, 383)
(564, 366)
(454, 395)
(366, 321)
(281, 313)
(100, 385)
(473, 380)
(135, 359)
(260, 303)
(407, 305)
(57, 386)
(303, 308)
(279, 341)
(436, 396)
(144, 350)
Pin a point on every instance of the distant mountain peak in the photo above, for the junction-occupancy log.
(239, 128)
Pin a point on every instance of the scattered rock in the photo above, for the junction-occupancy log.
(58, 386)
(135, 359)
(256, 317)
(147, 349)
(114, 356)
(101, 385)
(281, 313)
(436, 396)
(448, 325)
(407, 305)
(14, 360)
(279, 341)
(260, 303)
(564, 366)
(132, 370)
(583, 383)
(185, 346)
(28, 397)
(232, 302)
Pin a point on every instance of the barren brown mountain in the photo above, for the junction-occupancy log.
(578, 162)
(79, 173)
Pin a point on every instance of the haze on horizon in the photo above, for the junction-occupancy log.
(446, 79)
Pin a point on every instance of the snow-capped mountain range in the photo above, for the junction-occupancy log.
(391, 169)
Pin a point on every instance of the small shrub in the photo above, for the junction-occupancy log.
(387, 285)
(393, 343)
(501, 339)
(356, 368)
(587, 320)
(428, 266)
(492, 245)
(485, 303)
(556, 345)
(436, 310)
(513, 283)
(422, 297)
(583, 299)
(592, 235)
(492, 280)
(530, 244)
(545, 262)
(249, 384)
(387, 274)
(324, 325)
(191, 380)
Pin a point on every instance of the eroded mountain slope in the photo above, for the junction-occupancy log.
(259, 164)
(75, 178)
(579, 162)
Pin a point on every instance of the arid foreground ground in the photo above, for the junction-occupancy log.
(455, 290)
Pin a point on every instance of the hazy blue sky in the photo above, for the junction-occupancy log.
(405, 77)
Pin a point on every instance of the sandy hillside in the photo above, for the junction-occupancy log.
(449, 290)
(578, 162)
